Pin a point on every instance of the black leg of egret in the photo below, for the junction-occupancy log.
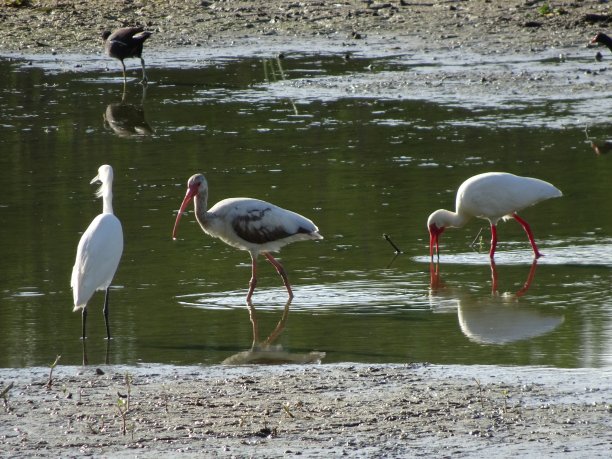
(83, 321)
(85, 360)
(105, 311)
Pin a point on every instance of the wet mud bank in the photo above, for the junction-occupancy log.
(315, 411)
(43, 26)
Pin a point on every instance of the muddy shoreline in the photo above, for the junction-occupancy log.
(313, 411)
(56, 26)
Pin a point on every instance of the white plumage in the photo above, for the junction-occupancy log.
(491, 196)
(98, 252)
(248, 224)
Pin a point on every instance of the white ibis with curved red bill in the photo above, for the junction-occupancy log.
(491, 196)
(98, 252)
(248, 224)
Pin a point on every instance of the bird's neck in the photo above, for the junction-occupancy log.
(107, 202)
(200, 203)
(454, 219)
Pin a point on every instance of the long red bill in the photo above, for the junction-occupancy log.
(184, 204)
(434, 239)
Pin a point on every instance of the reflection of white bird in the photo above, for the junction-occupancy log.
(248, 224)
(491, 196)
(487, 322)
(99, 251)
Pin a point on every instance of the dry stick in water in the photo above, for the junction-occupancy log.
(473, 244)
(388, 239)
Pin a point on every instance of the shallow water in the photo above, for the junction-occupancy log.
(340, 141)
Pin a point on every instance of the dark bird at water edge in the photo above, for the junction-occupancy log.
(126, 43)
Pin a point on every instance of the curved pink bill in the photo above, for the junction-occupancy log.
(188, 197)
(434, 239)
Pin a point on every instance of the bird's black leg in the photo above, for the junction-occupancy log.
(85, 360)
(105, 311)
(107, 356)
(124, 77)
(144, 74)
(83, 321)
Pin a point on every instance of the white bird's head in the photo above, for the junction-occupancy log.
(196, 185)
(105, 176)
(436, 224)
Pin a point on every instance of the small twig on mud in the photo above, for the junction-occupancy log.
(286, 408)
(395, 247)
(53, 365)
(123, 404)
(480, 394)
(4, 396)
(122, 408)
(506, 396)
(128, 383)
(92, 428)
(164, 397)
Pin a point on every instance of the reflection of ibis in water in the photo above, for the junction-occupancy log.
(496, 319)
(248, 224)
(127, 120)
(491, 196)
(265, 352)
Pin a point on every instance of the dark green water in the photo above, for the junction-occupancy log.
(359, 167)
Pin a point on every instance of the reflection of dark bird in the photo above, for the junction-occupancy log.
(98, 252)
(602, 39)
(248, 224)
(602, 148)
(125, 43)
(127, 120)
(491, 196)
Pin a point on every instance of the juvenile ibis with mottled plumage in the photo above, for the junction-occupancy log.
(248, 224)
